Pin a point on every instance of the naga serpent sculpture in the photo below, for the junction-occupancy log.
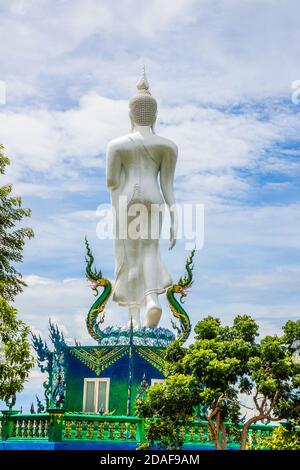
(95, 315)
(97, 309)
(176, 308)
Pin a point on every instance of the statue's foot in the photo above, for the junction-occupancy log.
(153, 314)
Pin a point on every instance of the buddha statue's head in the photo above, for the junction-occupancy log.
(143, 107)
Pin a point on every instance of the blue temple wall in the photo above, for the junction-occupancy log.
(77, 371)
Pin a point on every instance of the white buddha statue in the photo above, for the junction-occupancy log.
(140, 170)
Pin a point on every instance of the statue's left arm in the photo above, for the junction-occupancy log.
(113, 167)
(167, 171)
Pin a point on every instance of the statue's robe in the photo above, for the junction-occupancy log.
(132, 292)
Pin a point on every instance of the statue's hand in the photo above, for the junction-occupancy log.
(172, 237)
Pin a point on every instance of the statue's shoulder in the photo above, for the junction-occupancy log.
(118, 144)
(168, 144)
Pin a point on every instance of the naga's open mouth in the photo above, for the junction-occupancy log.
(94, 283)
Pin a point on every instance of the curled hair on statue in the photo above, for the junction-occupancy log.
(143, 106)
(152, 126)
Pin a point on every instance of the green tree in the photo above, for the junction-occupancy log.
(16, 360)
(172, 402)
(223, 363)
(218, 359)
(12, 240)
(276, 379)
(284, 437)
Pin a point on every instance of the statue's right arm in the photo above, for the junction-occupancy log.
(113, 167)
(167, 171)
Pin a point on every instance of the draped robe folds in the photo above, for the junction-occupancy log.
(131, 290)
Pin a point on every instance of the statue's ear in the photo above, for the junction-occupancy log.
(153, 125)
(131, 120)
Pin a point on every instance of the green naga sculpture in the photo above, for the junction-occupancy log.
(176, 308)
(96, 314)
(97, 309)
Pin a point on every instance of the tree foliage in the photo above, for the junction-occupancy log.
(16, 360)
(284, 437)
(172, 402)
(14, 369)
(223, 363)
(12, 239)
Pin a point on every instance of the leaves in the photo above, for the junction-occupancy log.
(244, 327)
(168, 406)
(210, 375)
(18, 361)
(4, 161)
(175, 397)
(283, 438)
(15, 367)
(12, 240)
(208, 328)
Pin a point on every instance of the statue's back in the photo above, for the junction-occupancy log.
(141, 158)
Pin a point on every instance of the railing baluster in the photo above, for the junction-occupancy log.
(78, 429)
(90, 430)
(21, 428)
(122, 431)
(192, 433)
(14, 429)
(43, 429)
(201, 434)
(68, 429)
(56, 425)
(111, 428)
(100, 431)
(30, 430)
(25, 429)
(132, 429)
(36, 433)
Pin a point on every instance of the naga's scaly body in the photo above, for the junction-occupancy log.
(96, 279)
(176, 308)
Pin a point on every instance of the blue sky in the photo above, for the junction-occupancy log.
(222, 73)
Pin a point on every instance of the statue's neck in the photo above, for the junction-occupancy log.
(143, 130)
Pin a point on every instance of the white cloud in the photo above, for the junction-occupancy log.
(196, 50)
(213, 144)
(67, 24)
(46, 139)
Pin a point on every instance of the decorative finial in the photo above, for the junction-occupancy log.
(143, 106)
(143, 84)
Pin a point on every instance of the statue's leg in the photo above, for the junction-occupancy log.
(153, 310)
(153, 307)
(132, 254)
(134, 316)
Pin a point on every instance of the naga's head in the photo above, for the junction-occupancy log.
(182, 290)
(93, 276)
(97, 281)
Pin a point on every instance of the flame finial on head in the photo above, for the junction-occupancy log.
(143, 84)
